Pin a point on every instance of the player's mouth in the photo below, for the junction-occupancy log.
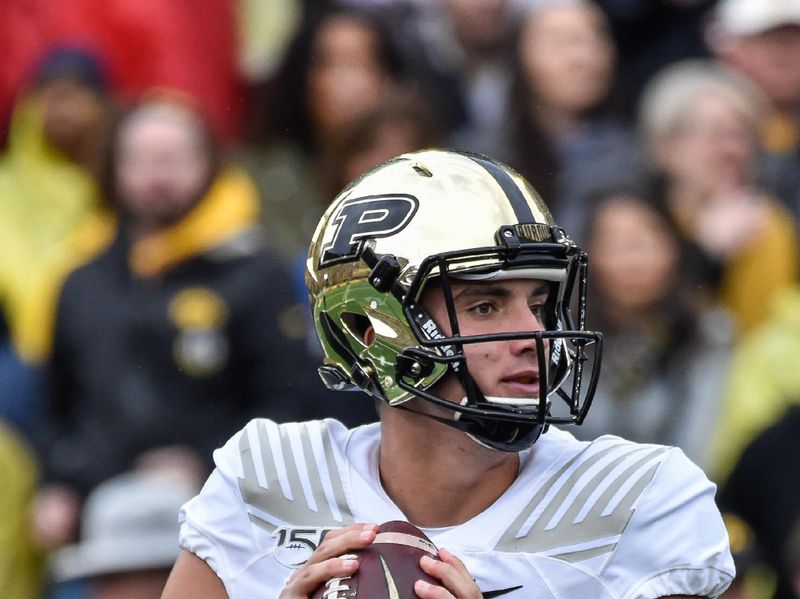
(521, 384)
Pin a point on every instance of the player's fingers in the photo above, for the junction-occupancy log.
(453, 574)
(325, 563)
(337, 532)
(307, 579)
(449, 558)
(426, 590)
(344, 540)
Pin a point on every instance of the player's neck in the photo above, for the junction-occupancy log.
(438, 476)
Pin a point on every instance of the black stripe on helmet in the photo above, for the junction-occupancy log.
(521, 208)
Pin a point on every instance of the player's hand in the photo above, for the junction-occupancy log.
(451, 571)
(325, 563)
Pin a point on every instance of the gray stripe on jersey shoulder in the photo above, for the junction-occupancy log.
(261, 523)
(578, 556)
(287, 503)
(336, 480)
(583, 507)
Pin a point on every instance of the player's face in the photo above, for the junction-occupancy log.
(500, 368)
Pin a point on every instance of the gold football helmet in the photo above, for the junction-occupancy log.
(439, 215)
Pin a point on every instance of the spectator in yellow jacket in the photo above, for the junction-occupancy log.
(48, 196)
(763, 376)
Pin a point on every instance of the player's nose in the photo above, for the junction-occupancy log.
(525, 321)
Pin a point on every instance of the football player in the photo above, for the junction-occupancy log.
(442, 288)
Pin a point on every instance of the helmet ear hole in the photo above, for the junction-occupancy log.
(359, 327)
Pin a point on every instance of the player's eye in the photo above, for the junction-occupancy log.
(537, 310)
(482, 308)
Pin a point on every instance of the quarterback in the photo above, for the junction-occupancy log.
(442, 288)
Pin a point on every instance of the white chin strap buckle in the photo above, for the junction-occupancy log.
(514, 401)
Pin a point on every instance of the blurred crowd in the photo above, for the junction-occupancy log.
(164, 164)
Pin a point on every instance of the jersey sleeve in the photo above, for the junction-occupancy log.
(276, 490)
(215, 524)
(675, 542)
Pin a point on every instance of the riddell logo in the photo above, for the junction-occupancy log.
(433, 332)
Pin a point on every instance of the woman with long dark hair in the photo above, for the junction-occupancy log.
(666, 351)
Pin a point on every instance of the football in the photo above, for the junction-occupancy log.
(388, 568)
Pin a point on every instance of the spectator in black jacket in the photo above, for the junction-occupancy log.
(178, 333)
(764, 490)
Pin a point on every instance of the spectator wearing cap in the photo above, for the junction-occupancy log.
(129, 537)
(761, 39)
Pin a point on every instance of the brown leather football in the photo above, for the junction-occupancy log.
(388, 568)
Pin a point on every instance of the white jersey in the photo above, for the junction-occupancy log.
(606, 519)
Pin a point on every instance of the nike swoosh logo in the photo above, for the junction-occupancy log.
(490, 594)
(390, 584)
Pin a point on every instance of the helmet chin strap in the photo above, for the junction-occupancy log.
(502, 436)
(498, 434)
